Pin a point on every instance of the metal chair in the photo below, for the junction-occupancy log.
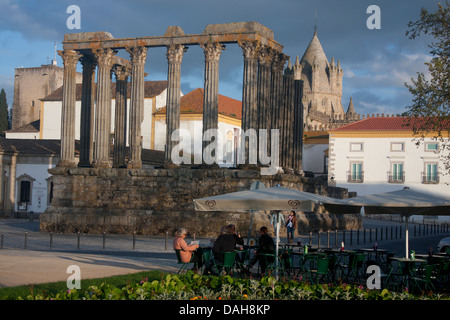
(321, 269)
(183, 264)
(228, 265)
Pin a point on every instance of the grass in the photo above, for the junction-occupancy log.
(13, 293)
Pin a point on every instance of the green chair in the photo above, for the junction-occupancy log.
(355, 266)
(321, 270)
(425, 282)
(228, 265)
(184, 265)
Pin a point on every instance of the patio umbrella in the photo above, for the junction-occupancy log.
(272, 199)
(406, 202)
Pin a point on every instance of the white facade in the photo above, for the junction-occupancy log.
(374, 162)
(51, 118)
(191, 139)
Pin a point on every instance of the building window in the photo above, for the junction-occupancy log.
(431, 146)
(356, 174)
(397, 146)
(397, 175)
(25, 191)
(431, 174)
(357, 146)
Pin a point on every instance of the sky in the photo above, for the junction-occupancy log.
(376, 62)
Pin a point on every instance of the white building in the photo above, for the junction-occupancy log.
(380, 154)
(191, 120)
(50, 114)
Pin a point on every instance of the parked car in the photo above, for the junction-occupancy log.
(444, 245)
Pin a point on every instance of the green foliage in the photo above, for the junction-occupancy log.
(195, 287)
(430, 111)
(3, 112)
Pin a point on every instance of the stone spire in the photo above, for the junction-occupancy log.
(350, 110)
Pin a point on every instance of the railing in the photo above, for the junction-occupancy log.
(397, 177)
(355, 177)
(430, 178)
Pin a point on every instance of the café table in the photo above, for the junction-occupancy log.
(410, 266)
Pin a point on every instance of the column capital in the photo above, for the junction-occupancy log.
(212, 50)
(278, 61)
(250, 48)
(88, 60)
(175, 53)
(138, 54)
(266, 55)
(70, 58)
(121, 72)
(104, 57)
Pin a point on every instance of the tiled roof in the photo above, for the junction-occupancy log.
(192, 102)
(151, 89)
(53, 147)
(377, 124)
(30, 127)
(32, 146)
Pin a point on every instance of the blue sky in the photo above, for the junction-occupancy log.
(376, 62)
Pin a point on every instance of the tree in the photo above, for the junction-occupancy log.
(430, 114)
(3, 112)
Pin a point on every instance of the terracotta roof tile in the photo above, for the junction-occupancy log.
(151, 89)
(377, 124)
(192, 102)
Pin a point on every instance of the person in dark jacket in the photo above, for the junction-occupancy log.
(266, 245)
(224, 243)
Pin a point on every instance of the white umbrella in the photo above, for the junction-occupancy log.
(405, 202)
(274, 199)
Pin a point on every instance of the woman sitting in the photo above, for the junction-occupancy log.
(188, 252)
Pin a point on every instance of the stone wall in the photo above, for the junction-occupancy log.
(153, 201)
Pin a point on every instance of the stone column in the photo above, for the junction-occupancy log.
(70, 59)
(138, 56)
(288, 87)
(87, 111)
(298, 119)
(174, 58)
(212, 52)
(249, 96)
(120, 116)
(103, 113)
(264, 77)
(278, 63)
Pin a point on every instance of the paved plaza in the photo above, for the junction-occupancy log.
(29, 256)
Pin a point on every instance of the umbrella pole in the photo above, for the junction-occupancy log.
(406, 237)
(277, 217)
(250, 228)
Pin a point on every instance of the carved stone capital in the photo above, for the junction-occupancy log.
(121, 72)
(70, 58)
(104, 57)
(138, 54)
(175, 53)
(278, 61)
(212, 50)
(249, 49)
(266, 55)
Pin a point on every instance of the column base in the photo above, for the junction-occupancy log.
(101, 164)
(134, 164)
(67, 163)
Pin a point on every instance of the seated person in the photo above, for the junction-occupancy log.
(224, 243)
(266, 245)
(188, 251)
